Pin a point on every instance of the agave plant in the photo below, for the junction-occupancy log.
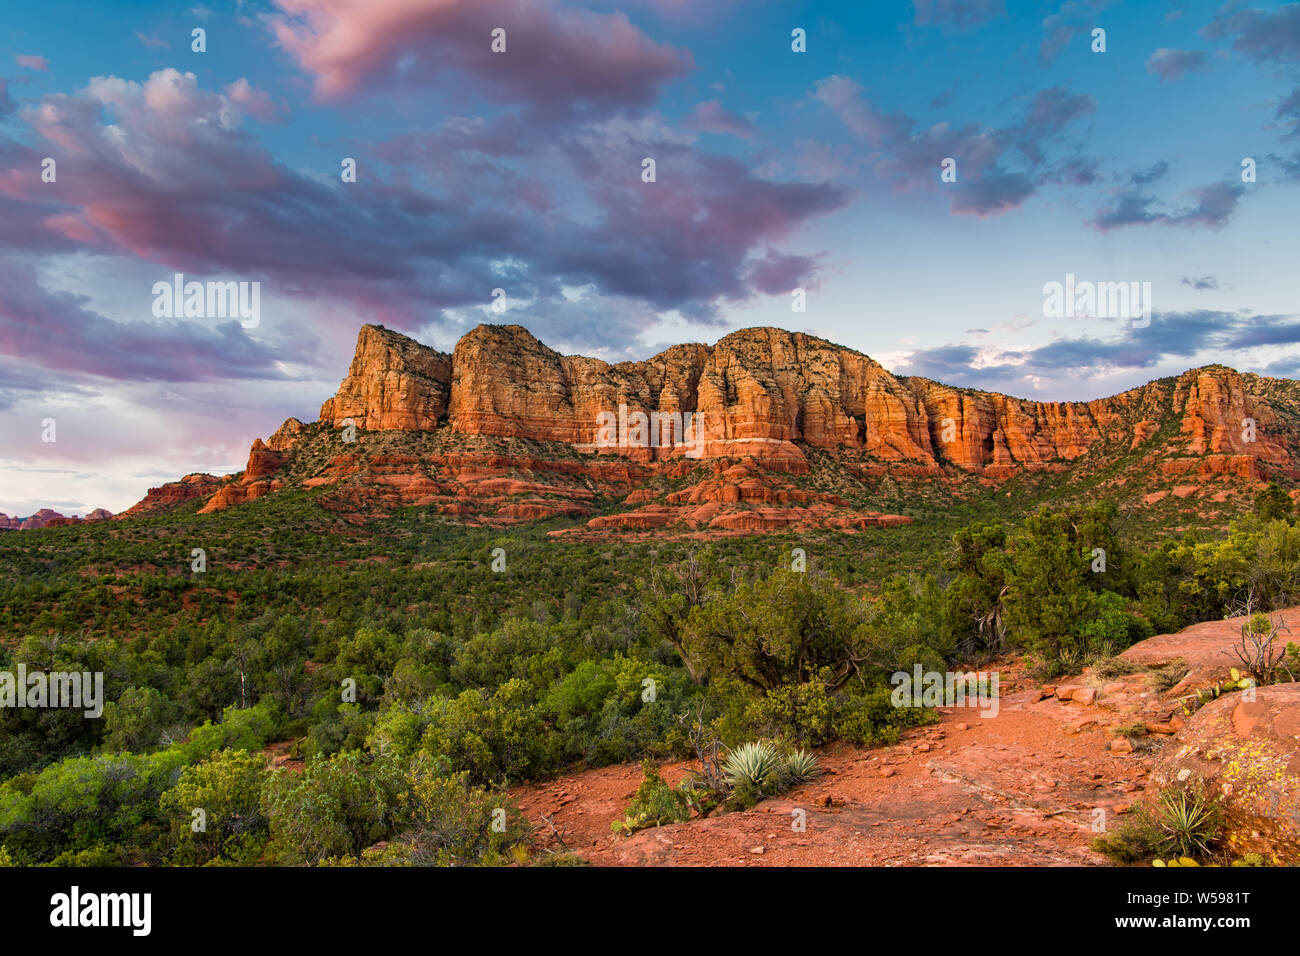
(751, 768)
(1188, 823)
(801, 765)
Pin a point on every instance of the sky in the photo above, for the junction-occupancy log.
(795, 146)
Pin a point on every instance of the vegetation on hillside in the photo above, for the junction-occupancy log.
(416, 683)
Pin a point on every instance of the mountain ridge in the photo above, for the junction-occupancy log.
(505, 428)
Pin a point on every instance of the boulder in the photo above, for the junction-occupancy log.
(1246, 754)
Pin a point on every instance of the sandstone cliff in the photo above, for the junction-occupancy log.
(752, 410)
(760, 392)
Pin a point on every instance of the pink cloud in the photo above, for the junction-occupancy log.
(711, 117)
(254, 102)
(558, 61)
(32, 62)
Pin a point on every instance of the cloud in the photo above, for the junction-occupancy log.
(32, 62)
(1171, 64)
(987, 181)
(1288, 112)
(962, 14)
(1201, 283)
(6, 104)
(778, 274)
(152, 41)
(844, 96)
(167, 175)
(1069, 21)
(993, 193)
(710, 117)
(1212, 206)
(58, 331)
(254, 102)
(1153, 173)
(1172, 337)
(559, 62)
(1261, 35)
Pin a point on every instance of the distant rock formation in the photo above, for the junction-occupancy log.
(45, 518)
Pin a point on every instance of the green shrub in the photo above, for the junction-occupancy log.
(227, 787)
(335, 806)
(654, 804)
(496, 737)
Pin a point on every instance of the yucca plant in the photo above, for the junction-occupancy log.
(800, 765)
(751, 769)
(1188, 823)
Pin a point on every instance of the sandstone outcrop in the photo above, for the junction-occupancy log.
(172, 494)
(1246, 755)
(762, 392)
(394, 383)
(748, 414)
(47, 518)
(254, 482)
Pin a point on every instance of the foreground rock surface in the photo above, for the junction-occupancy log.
(1029, 786)
(1247, 755)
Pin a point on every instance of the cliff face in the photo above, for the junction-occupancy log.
(755, 410)
(758, 392)
(395, 383)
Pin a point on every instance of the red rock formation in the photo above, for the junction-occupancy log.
(286, 436)
(253, 483)
(759, 404)
(172, 494)
(394, 383)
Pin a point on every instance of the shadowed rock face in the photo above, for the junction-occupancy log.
(759, 391)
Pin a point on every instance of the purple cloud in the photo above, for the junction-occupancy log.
(173, 179)
(1212, 206)
(1171, 64)
(711, 117)
(1261, 35)
(986, 184)
(53, 329)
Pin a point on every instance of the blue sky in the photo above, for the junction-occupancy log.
(521, 170)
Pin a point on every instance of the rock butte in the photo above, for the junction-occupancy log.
(515, 432)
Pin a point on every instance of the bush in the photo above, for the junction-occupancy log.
(227, 787)
(602, 714)
(870, 719)
(495, 737)
(336, 806)
(654, 803)
(454, 823)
